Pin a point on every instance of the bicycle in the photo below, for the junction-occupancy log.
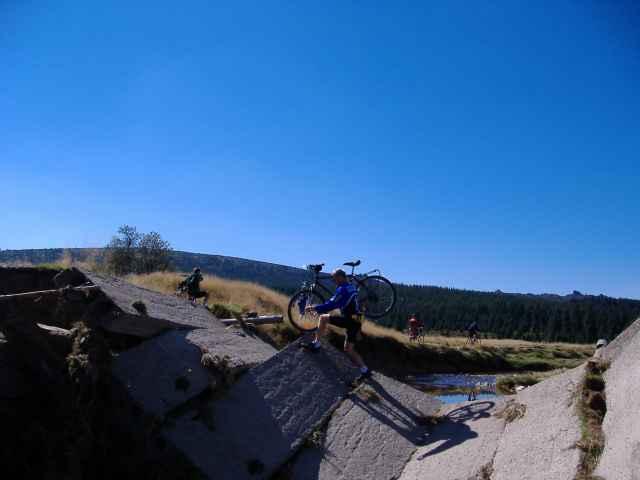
(417, 336)
(182, 291)
(473, 338)
(376, 295)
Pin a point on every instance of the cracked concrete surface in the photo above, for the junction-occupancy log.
(162, 373)
(371, 435)
(265, 416)
(621, 456)
(620, 343)
(241, 348)
(541, 444)
(169, 308)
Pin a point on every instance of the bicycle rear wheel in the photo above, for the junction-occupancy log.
(299, 318)
(376, 296)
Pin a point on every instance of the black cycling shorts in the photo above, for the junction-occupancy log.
(352, 326)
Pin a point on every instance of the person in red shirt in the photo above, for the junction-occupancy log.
(414, 327)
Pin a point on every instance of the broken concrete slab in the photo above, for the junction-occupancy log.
(168, 311)
(371, 435)
(461, 446)
(620, 459)
(611, 351)
(162, 373)
(13, 381)
(266, 415)
(233, 349)
(70, 277)
(168, 370)
(542, 444)
(60, 338)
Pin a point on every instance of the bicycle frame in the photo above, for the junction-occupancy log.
(352, 277)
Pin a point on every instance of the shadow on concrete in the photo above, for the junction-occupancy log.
(455, 430)
(259, 423)
(389, 411)
(472, 412)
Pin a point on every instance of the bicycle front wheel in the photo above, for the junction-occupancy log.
(298, 316)
(377, 296)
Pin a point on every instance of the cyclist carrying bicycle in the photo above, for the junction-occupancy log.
(345, 299)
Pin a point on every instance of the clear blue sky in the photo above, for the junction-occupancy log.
(478, 145)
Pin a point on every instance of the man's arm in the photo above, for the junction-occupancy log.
(337, 301)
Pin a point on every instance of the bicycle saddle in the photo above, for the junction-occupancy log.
(315, 268)
(352, 264)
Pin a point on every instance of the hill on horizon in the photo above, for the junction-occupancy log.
(575, 317)
(273, 275)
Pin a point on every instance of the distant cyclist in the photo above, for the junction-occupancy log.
(192, 282)
(414, 327)
(473, 333)
(345, 299)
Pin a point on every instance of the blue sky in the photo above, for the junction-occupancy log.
(477, 145)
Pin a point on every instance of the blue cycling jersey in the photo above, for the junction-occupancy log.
(345, 298)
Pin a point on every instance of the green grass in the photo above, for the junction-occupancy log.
(227, 310)
(506, 384)
(388, 355)
(591, 408)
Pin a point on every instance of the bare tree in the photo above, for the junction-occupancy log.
(153, 253)
(130, 251)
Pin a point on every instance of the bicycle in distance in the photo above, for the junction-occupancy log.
(415, 330)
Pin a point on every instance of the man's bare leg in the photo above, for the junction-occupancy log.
(323, 322)
(353, 355)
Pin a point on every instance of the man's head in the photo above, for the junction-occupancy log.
(339, 276)
(196, 270)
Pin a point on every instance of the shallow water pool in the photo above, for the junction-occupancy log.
(460, 397)
(455, 388)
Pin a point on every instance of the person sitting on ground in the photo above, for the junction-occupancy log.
(345, 299)
(414, 327)
(193, 286)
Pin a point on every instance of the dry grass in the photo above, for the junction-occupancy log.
(250, 297)
(485, 472)
(64, 261)
(230, 298)
(506, 384)
(374, 330)
(512, 411)
(592, 408)
(367, 394)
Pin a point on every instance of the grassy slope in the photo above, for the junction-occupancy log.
(386, 349)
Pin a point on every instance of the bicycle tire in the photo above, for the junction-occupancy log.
(377, 296)
(297, 316)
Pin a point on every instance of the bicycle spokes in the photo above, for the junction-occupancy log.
(302, 304)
